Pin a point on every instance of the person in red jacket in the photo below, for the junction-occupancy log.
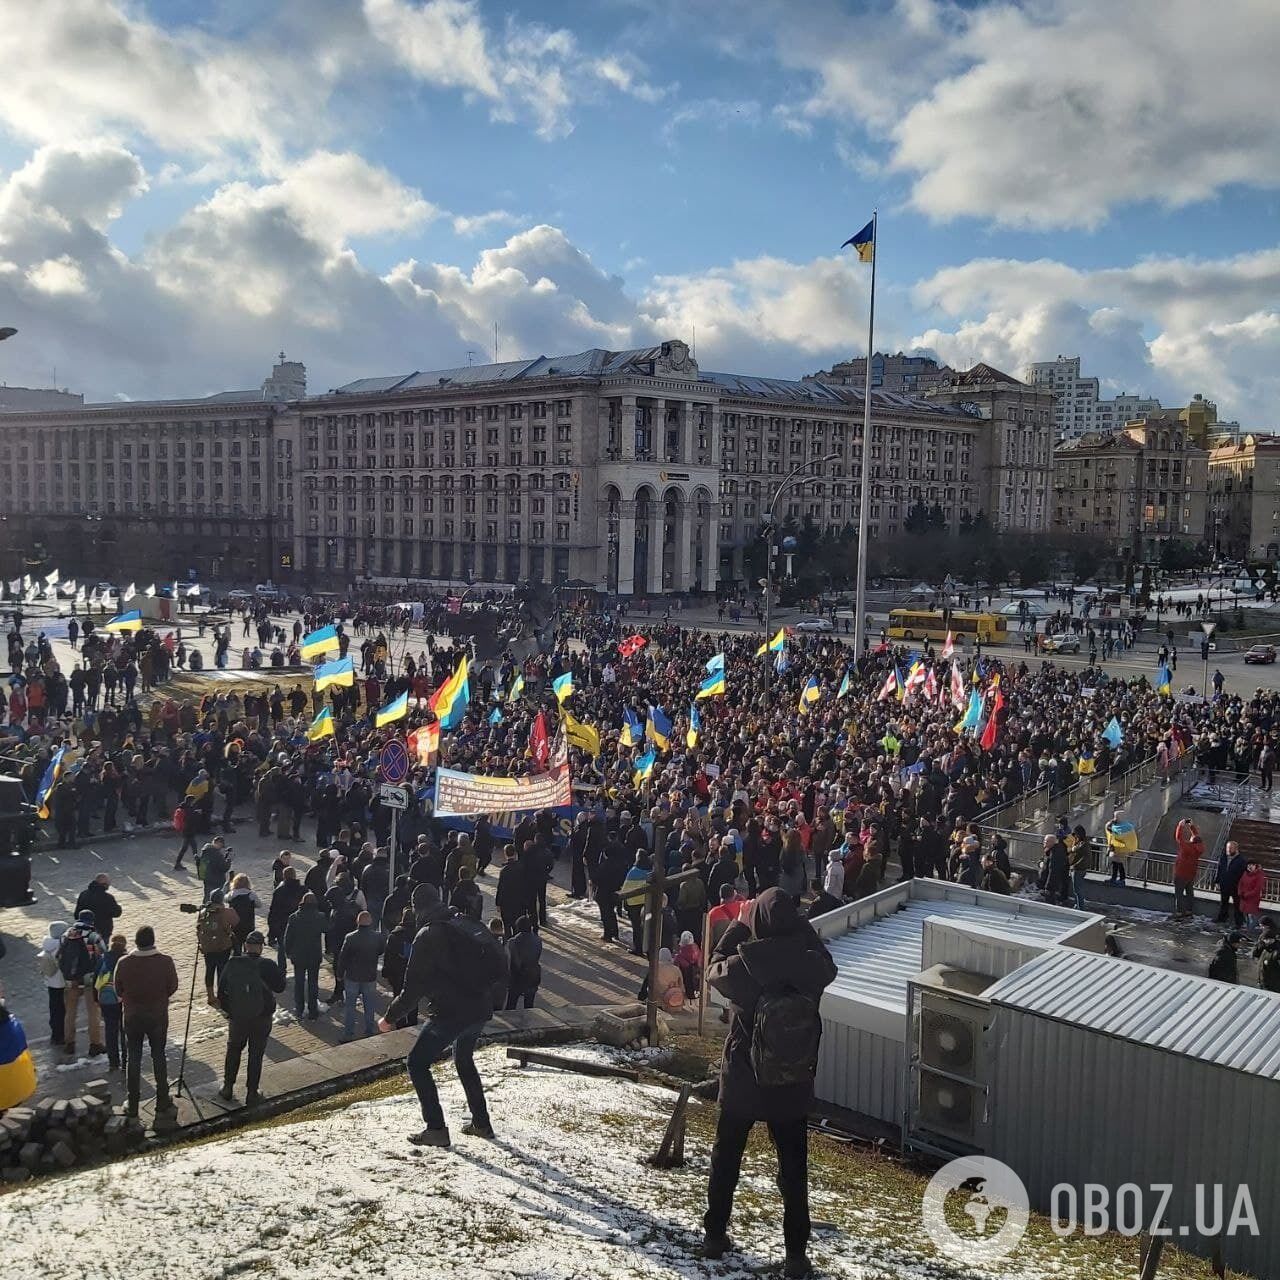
(1252, 884)
(1186, 867)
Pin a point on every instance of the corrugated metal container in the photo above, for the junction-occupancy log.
(1108, 1072)
(878, 944)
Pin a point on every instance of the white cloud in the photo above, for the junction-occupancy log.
(480, 224)
(57, 275)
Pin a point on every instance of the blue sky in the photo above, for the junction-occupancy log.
(187, 187)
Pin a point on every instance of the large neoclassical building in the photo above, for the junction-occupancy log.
(631, 471)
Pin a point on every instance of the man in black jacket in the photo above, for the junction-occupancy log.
(459, 1004)
(771, 951)
(98, 898)
(304, 946)
(246, 993)
(356, 965)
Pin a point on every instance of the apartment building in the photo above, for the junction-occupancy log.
(1243, 516)
(1078, 404)
(900, 374)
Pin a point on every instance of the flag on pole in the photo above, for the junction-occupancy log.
(712, 686)
(931, 687)
(864, 242)
(658, 728)
(319, 642)
(973, 715)
(539, 743)
(424, 743)
(395, 710)
(50, 780)
(715, 664)
(193, 590)
(495, 716)
(810, 694)
(517, 688)
(695, 727)
(1113, 733)
(1164, 680)
(902, 684)
(150, 592)
(322, 726)
(131, 621)
(583, 736)
(775, 645)
(890, 685)
(51, 579)
(451, 699)
(26, 582)
(643, 766)
(845, 685)
(341, 673)
(130, 592)
(631, 645)
(563, 686)
(957, 686)
(915, 677)
(991, 733)
(632, 729)
(948, 645)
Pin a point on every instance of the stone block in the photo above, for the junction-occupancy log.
(116, 1124)
(18, 1173)
(77, 1111)
(64, 1154)
(98, 1089)
(29, 1156)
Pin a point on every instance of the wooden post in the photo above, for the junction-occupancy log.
(702, 984)
(1153, 1247)
(657, 902)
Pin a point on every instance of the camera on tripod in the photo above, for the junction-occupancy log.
(188, 908)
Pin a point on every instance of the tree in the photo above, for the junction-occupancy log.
(1128, 575)
(917, 520)
(966, 524)
(1144, 594)
(1030, 560)
(937, 517)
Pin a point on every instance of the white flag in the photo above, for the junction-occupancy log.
(26, 582)
(69, 587)
(52, 578)
(15, 586)
(130, 592)
(93, 599)
(194, 589)
(31, 594)
(150, 592)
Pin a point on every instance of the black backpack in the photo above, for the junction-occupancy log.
(480, 959)
(244, 994)
(784, 1039)
(74, 961)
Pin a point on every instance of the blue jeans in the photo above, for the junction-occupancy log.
(306, 987)
(1077, 887)
(366, 991)
(431, 1046)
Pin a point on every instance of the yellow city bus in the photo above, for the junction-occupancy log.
(933, 624)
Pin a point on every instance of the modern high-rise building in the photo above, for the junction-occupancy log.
(1079, 406)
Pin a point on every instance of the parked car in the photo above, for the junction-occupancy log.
(812, 622)
(1260, 653)
(1061, 644)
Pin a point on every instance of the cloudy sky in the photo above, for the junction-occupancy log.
(189, 186)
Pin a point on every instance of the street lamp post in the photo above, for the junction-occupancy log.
(1208, 628)
(768, 567)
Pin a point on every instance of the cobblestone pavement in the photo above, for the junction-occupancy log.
(577, 968)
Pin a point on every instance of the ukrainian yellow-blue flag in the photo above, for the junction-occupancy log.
(17, 1071)
(810, 694)
(131, 621)
(341, 673)
(644, 766)
(632, 729)
(517, 687)
(695, 727)
(845, 685)
(864, 242)
(319, 642)
(321, 726)
(393, 711)
(658, 728)
(563, 686)
(711, 686)
(48, 782)
(776, 645)
(1164, 680)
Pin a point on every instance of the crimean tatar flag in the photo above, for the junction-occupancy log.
(395, 710)
(319, 642)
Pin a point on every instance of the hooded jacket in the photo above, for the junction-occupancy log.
(771, 949)
(101, 901)
(432, 975)
(47, 956)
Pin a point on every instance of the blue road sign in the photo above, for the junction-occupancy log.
(393, 762)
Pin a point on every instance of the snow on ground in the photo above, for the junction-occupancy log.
(562, 1193)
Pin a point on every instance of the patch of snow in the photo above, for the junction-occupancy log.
(83, 1064)
(561, 1193)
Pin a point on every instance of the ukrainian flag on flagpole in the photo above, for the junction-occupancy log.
(563, 686)
(1164, 681)
(864, 242)
(322, 726)
(810, 694)
(632, 729)
(450, 700)
(131, 621)
(319, 642)
(711, 686)
(644, 766)
(50, 780)
(845, 685)
(695, 727)
(341, 673)
(658, 728)
(517, 687)
(393, 711)
(776, 645)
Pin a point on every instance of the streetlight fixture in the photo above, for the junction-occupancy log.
(768, 569)
(7, 332)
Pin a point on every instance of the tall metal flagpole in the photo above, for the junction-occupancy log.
(864, 500)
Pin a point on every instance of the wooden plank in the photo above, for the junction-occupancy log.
(541, 1058)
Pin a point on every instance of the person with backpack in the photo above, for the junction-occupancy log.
(524, 965)
(304, 948)
(145, 981)
(1223, 964)
(55, 983)
(109, 1002)
(246, 993)
(465, 897)
(213, 865)
(186, 822)
(453, 966)
(79, 955)
(772, 968)
(216, 937)
(245, 903)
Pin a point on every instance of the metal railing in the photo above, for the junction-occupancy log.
(1050, 802)
(1149, 867)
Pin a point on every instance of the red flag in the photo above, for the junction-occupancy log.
(992, 731)
(453, 604)
(631, 645)
(539, 743)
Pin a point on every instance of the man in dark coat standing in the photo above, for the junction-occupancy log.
(772, 950)
(98, 898)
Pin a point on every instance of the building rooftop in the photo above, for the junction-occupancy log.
(1232, 1026)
